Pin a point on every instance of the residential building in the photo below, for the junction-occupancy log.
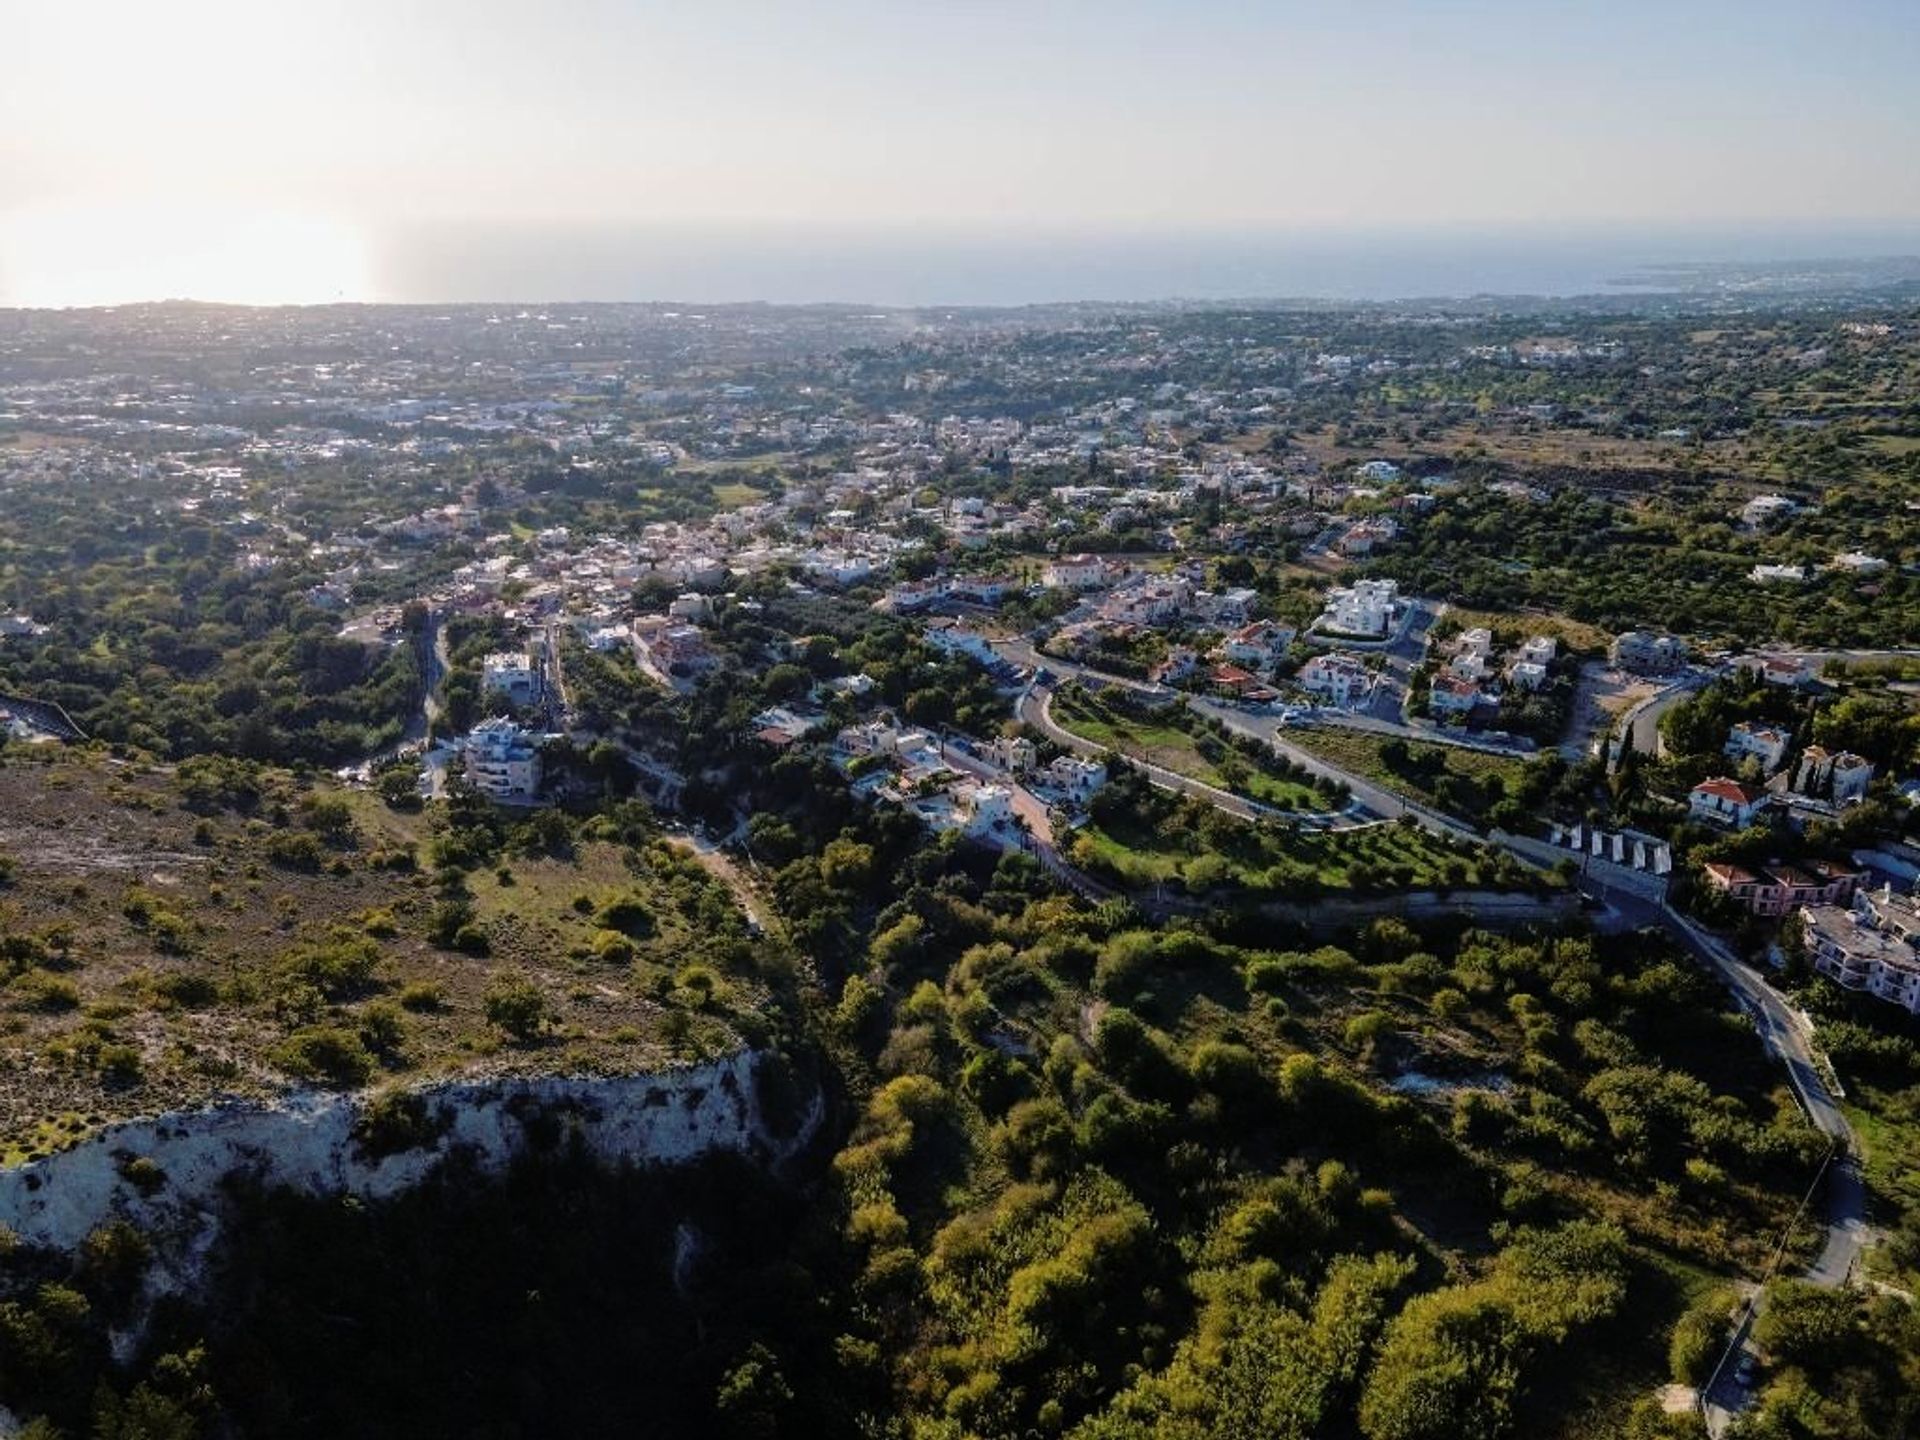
(1844, 776)
(1764, 743)
(1365, 608)
(1722, 801)
(1527, 675)
(1077, 778)
(1013, 752)
(1851, 776)
(513, 674)
(1340, 679)
(957, 639)
(503, 760)
(1477, 641)
(1765, 509)
(1451, 695)
(1641, 652)
(1539, 650)
(1259, 646)
(1870, 947)
(1778, 890)
(1077, 572)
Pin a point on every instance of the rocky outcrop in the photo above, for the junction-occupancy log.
(167, 1175)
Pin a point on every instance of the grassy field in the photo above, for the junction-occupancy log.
(153, 956)
(732, 494)
(1162, 741)
(1427, 764)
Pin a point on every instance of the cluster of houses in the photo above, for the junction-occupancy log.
(908, 767)
(1822, 781)
(1474, 675)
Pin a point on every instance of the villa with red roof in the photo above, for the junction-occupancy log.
(1721, 801)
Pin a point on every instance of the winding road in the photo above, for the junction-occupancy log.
(1785, 1032)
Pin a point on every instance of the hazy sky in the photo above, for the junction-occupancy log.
(308, 122)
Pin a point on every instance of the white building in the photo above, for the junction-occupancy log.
(1451, 695)
(1540, 650)
(1528, 675)
(503, 760)
(1077, 778)
(1365, 608)
(1747, 741)
(1871, 947)
(1765, 509)
(1721, 801)
(1077, 572)
(1340, 679)
(513, 674)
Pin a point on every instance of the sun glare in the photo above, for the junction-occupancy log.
(123, 255)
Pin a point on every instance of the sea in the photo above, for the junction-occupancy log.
(1011, 265)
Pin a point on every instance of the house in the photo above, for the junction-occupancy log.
(1641, 652)
(1337, 678)
(1782, 670)
(503, 760)
(1013, 752)
(1229, 607)
(1527, 675)
(1779, 890)
(1451, 695)
(1763, 510)
(1869, 947)
(954, 638)
(1747, 741)
(1469, 665)
(1077, 572)
(1364, 608)
(513, 674)
(986, 808)
(1539, 650)
(1259, 646)
(1845, 776)
(1856, 562)
(1078, 779)
(1722, 801)
(1365, 536)
(1378, 472)
(980, 589)
(1181, 663)
(694, 608)
(1477, 641)
(1851, 776)
(1778, 574)
(1241, 684)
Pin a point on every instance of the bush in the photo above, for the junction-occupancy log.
(325, 1055)
(398, 1121)
(518, 1007)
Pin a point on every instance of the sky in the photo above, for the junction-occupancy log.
(295, 151)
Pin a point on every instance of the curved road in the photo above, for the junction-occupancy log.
(1784, 1031)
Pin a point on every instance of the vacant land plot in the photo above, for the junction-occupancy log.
(164, 939)
(1165, 741)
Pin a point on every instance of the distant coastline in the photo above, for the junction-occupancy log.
(917, 269)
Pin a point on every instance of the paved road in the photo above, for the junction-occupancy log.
(1786, 1033)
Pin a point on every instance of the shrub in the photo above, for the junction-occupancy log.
(518, 1007)
(325, 1055)
(421, 997)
